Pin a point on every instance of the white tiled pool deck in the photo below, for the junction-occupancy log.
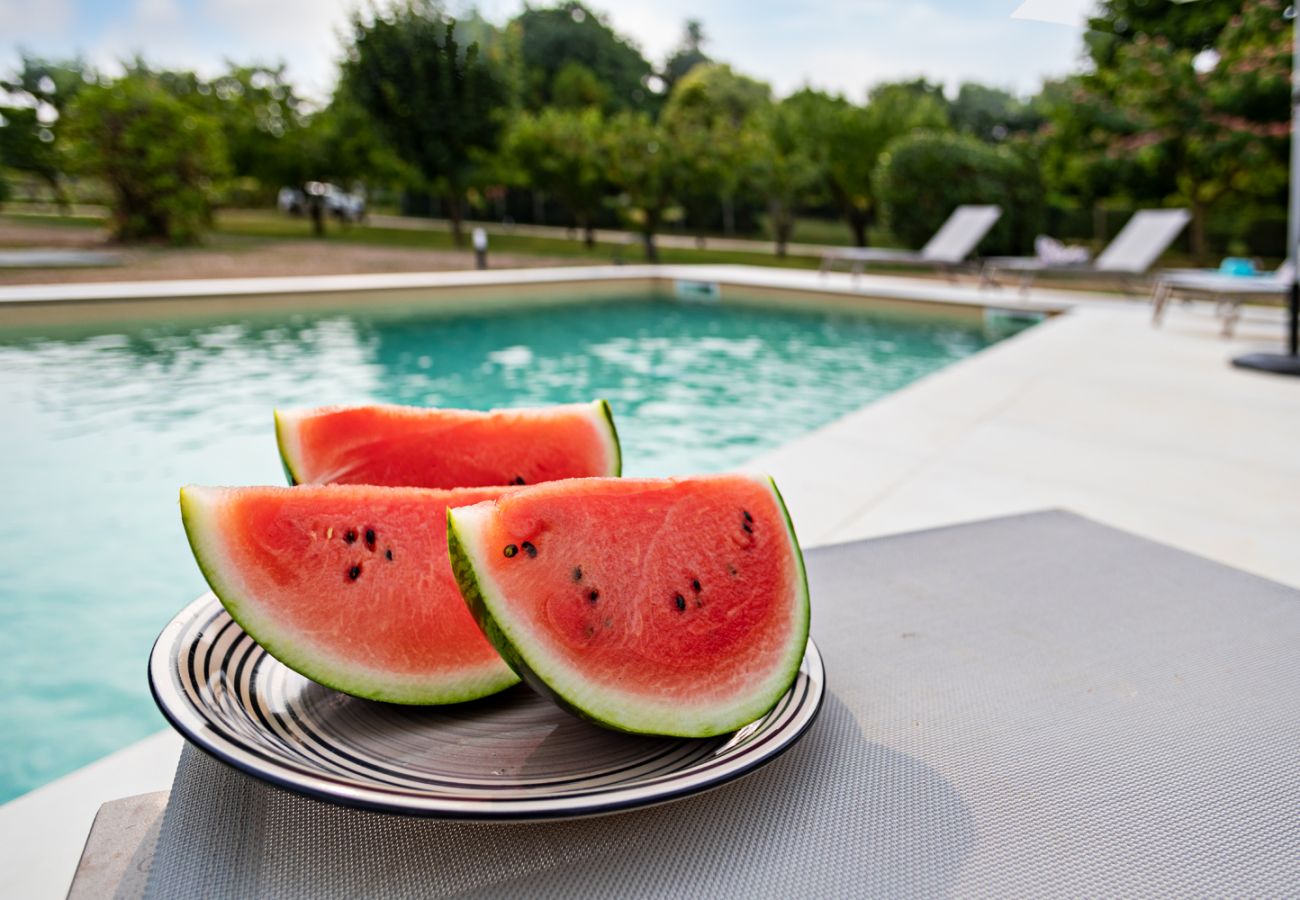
(1094, 411)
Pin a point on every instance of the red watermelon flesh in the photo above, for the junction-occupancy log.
(348, 585)
(664, 606)
(447, 448)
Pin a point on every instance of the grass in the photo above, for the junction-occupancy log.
(271, 225)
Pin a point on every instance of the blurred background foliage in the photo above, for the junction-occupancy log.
(555, 118)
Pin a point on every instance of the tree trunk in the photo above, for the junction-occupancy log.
(858, 222)
(588, 232)
(456, 212)
(728, 215)
(317, 208)
(539, 208)
(1198, 233)
(781, 227)
(651, 251)
(60, 195)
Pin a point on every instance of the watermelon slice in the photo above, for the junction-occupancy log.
(447, 448)
(659, 606)
(348, 585)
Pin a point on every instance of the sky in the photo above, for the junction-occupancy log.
(839, 45)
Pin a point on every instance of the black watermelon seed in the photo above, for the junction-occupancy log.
(681, 603)
(529, 549)
(510, 550)
(389, 554)
(350, 537)
(697, 586)
(748, 517)
(732, 569)
(748, 528)
(370, 538)
(577, 573)
(519, 479)
(594, 595)
(355, 572)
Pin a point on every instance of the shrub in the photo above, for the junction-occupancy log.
(159, 157)
(923, 176)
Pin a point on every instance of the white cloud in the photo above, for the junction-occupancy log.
(302, 33)
(35, 20)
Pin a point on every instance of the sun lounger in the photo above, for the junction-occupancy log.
(951, 244)
(1228, 292)
(1138, 245)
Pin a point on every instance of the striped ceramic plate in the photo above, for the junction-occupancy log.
(514, 756)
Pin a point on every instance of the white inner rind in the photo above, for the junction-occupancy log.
(626, 710)
(201, 509)
(605, 427)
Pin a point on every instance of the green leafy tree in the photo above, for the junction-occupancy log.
(159, 156)
(846, 141)
(562, 152)
(705, 112)
(438, 104)
(689, 54)
(641, 162)
(924, 176)
(549, 39)
(1191, 110)
(991, 114)
(1193, 26)
(261, 116)
(577, 87)
(31, 121)
(785, 170)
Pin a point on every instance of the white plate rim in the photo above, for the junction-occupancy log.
(196, 727)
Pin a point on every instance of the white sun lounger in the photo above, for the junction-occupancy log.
(1228, 292)
(1137, 246)
(951, 244)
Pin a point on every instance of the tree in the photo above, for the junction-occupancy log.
(1194, 102)
(261, 116)
(1185, 26)
(549, 39)
(561, 151)
(577, 87)
(704, 112)
(438, 104)
(784, 168)
(640, 160)
(687, 56)
(924, 176)
(846, 141)
(991, 114)
(160, 157)
(30, 122)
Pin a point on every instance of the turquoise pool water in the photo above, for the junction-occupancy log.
(102, 428)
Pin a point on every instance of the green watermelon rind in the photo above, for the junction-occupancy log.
(285, 441)
(616, 444)
(480, 600)
(282, 439)
(199, 531)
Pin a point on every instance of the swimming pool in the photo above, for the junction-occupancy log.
(103, 426)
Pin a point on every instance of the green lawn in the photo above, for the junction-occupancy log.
(271, 225)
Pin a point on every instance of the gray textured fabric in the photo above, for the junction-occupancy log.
(1036, 705)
